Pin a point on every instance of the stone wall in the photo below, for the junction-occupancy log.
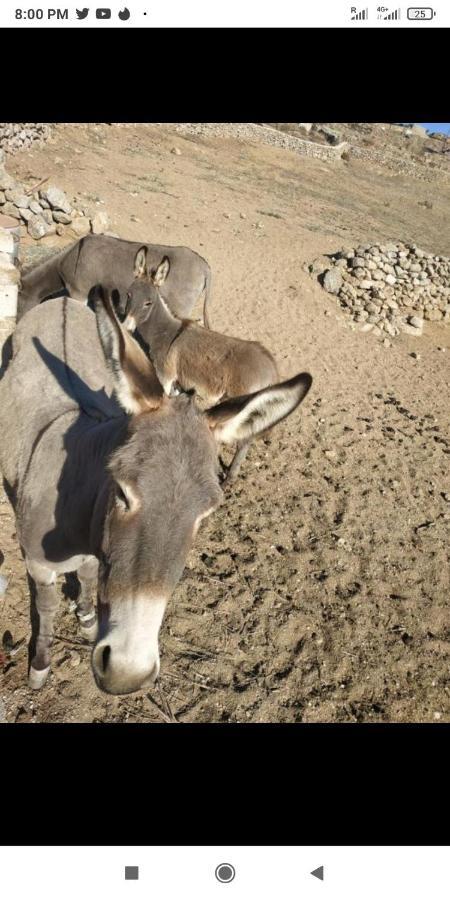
(9, 286)
(249, 131)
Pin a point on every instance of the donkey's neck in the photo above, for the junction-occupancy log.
(159, 331)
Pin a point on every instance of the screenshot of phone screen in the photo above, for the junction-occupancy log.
(224, 438)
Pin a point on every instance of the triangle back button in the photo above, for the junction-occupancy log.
(318, 873)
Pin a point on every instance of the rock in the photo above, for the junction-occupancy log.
(60, 229)
(409, 329)
(81, 226)
(18, 197)
(38, 227)
(366, 285)
(26, 214)
(319, 265)
(35, 207)
(416, 322)
(6, 182)
(61, 217)
(332, 281)
(47, 215)
(415, 355)
(391, 279)
(99, 223)
(3, 585)
(9, 209)
(357, 262)
(56, 199)
(176, 151)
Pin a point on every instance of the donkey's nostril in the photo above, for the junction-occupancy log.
(106, 654)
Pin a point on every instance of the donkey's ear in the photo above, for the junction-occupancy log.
(140, 263)
(242, 418)
(160, 274)
(135, 382)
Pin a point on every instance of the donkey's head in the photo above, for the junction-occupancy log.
(143, 293)
(163, 482)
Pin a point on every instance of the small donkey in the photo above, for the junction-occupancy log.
(188, 357)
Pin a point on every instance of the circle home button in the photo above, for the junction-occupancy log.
(225, 873)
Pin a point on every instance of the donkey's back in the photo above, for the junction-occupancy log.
(57, 369)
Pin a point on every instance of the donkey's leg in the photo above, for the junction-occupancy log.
(238, 459)
(86, 611)
(47, 602)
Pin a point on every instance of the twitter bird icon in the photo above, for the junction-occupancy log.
(82, 13)
(124, 14)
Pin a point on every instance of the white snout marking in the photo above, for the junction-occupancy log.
(130, 323)
(133, 632)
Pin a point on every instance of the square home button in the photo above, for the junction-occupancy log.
(131, 873)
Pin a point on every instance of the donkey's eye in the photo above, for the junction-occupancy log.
(121, 498)
(148, 303)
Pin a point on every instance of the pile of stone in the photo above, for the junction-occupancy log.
(21, 135)
(388, 288)
(45, 211)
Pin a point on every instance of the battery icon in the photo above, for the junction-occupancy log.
(419, 13)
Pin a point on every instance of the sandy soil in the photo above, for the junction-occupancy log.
(319, 592)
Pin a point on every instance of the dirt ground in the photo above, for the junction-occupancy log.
(319, 591)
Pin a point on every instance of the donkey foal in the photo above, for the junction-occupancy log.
(214, 366)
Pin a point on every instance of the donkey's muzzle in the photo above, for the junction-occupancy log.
(116, 672)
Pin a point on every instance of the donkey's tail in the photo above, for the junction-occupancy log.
(207, 290)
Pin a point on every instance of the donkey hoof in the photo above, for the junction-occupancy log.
(89, 632)
(37, 678)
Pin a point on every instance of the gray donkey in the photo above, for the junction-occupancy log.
(188, 357)
(110, 478)
(113, 262)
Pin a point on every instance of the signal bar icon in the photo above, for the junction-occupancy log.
(360, 16)
(395, 15)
